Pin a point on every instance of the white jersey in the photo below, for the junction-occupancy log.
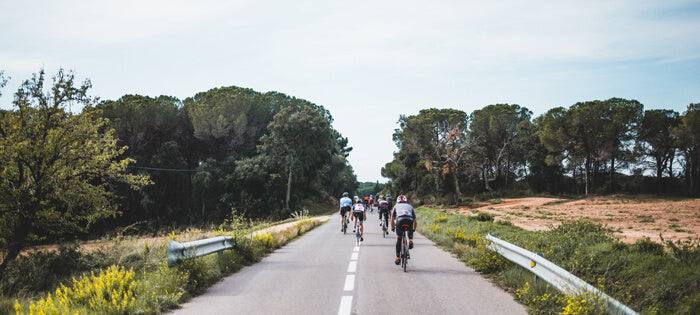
(358, 207)
(403, 210)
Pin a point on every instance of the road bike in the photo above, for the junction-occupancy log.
(405, 255)
(358, 235)
(381, 223)
(345, 223)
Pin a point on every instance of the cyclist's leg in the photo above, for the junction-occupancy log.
(410, 234)
(362, 226)
(399, 236)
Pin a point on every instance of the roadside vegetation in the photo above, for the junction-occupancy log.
(132, 277)
(74, 168)
(649, 277)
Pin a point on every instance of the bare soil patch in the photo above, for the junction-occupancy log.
(631, 219)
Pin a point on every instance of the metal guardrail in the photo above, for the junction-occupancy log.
(553, 274)
(179, 251)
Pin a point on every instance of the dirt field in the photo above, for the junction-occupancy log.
(631, 219)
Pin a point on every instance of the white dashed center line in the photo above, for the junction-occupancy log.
(345, 305)
(349, 283)
(353, 266)
(346, 301)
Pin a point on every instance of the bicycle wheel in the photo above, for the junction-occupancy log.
(404, 252)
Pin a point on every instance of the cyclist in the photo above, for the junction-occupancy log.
(390, 201)
(371, 201)
(402, 215)
(384, 211)
(359, 214)
(345, 205)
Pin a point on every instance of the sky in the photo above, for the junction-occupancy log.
(367, 62)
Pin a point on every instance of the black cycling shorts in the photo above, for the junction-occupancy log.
(404, 224)
(359, 215)
(344, 210)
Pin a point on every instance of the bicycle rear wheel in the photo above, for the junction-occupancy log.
(404, 252)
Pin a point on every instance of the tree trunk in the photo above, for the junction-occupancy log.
(16, 242)
(457, 192)
(486, 182)
(289, 189)
(587, 170)
(612, 174)
(670, 163)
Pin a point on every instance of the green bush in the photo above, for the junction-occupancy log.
(46, 270)
(484, 217)
(646, 276)
(646, 245)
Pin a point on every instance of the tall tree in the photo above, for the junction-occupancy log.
(622, 119)
(54, 165)
(439, 136)
(493, 130)
(576, 133)
(301, 140)
(689, 141)
(657, 140)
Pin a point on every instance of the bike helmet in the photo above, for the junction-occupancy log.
(400, 199)
(345, 194)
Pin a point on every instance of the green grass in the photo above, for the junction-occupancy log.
(649, 277)
(155, 288)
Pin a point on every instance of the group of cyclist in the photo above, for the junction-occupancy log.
(403, 216)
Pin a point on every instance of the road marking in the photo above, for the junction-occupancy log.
(352, 267)
(345, 305)
(354, 256)
(357, 249)
(349, 282)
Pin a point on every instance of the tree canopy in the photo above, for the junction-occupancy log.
(577, 150)
(55, 166)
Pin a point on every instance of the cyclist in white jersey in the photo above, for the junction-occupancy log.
(403, 218)
(359, 214)
(345, 207)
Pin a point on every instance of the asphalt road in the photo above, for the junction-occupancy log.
(323, 272)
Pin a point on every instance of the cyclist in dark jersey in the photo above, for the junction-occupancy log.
(384, 212)
(403, 218)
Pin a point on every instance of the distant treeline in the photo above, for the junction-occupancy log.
(446, 155)
(227, 149)
(368, 188)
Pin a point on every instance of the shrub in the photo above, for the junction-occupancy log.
(110, 292)
(484, 217)
(646, 245)
(46, 270)
(488, 261)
